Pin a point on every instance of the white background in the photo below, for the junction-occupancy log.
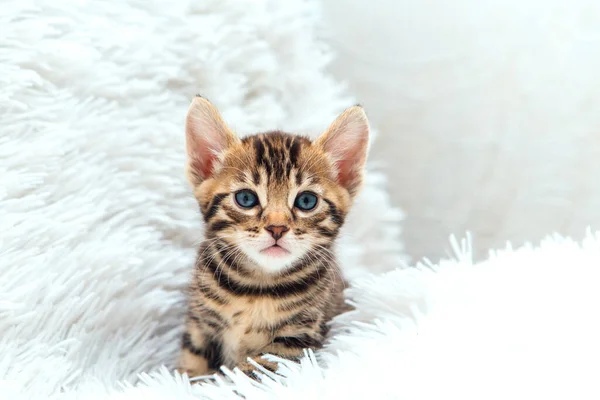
(489, 113)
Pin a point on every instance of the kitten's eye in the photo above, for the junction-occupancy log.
(306, 201)
(246, 198)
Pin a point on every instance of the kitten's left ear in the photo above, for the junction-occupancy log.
(207, 138)
(347, 143)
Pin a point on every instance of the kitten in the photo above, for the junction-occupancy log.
(266, 280)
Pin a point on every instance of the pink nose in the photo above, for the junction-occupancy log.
(277, 231)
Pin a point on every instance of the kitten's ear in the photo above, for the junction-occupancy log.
(207, 137)
(347, 143)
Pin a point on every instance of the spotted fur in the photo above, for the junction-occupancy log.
(245, 301)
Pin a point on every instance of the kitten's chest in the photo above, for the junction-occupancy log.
(251, 326)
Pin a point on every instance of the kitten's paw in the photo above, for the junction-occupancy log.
(193, 365)
(195, 375)
(253, 371)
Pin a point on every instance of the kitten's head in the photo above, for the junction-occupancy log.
(274, 197)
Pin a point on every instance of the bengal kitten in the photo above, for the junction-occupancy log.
(266, 280)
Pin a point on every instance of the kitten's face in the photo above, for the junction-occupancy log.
(277, 200)
(273, 198)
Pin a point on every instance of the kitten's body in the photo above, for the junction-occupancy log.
(266, 280)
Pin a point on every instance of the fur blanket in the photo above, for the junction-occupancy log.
(98, 228)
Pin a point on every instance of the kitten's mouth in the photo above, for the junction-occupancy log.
(275, 251)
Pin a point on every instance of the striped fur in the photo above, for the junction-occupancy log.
(243, 303)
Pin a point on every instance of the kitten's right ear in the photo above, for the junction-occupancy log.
(347, 143)
(207, 137)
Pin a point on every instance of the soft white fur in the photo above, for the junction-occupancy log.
(521, 325)
(98, 227)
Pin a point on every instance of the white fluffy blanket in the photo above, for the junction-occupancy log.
(98, 229)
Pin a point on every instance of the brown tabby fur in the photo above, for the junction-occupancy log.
(236, 308)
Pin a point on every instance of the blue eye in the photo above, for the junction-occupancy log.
(246, 198)
(306, 201)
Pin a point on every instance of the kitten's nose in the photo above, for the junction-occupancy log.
(277, 231)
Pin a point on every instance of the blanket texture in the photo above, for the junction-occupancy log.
(522, 325)
(98, 228)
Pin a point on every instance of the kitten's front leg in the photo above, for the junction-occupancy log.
(192, 359)
(201, 354)
(288, 347)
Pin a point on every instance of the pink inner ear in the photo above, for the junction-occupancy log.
(344, 172)
(207, 137)
(347, 141)
(348, 169)
(203, 166)
(201, 156)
